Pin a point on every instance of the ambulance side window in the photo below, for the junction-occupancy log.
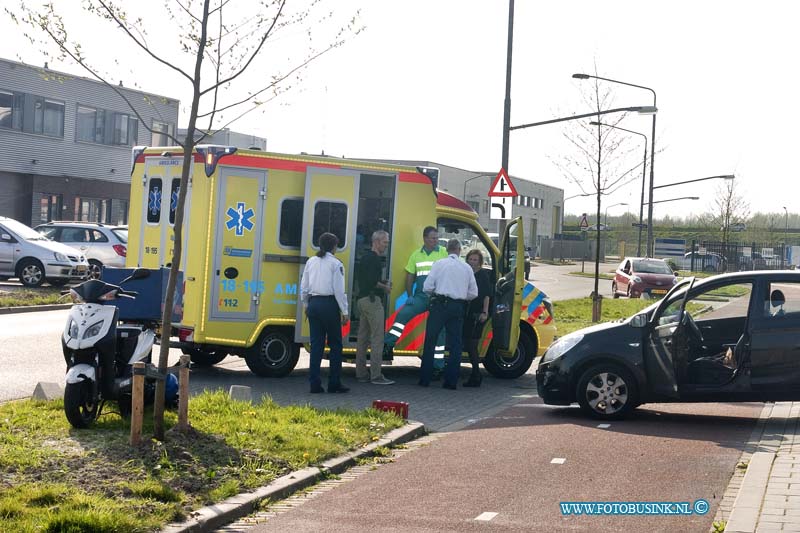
(173, 199)
(330, 217)
(291, 222)
(154, 201)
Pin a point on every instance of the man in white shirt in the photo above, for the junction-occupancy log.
(451, 284)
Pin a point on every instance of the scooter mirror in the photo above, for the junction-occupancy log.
(139, 273)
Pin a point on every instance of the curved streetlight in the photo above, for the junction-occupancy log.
(561, 229)
(652, 152)
(676, 199)
(722, 177)
(464, 195)
(612, 205)
(644, 178)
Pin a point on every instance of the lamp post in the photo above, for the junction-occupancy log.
(607, 208)
(652, 152)
(785, 237)
(722, 177)
(644, 179)
(676, 199)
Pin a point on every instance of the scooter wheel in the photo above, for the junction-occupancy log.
(79, 406)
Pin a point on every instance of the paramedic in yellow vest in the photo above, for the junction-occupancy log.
(417, 270)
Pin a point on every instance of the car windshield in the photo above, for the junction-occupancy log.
(651, 267)
(23, 232)
(121, 233)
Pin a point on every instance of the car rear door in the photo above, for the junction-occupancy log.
(775, 338)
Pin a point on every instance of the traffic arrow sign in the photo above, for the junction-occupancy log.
(502, 186)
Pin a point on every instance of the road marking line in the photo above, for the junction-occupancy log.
(527, 405)
(524, 396)
(604, 426)
(558, 461)
(485, 517)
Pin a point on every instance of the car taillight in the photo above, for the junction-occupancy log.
(121, 250)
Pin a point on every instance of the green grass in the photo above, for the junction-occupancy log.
(575, 314)
(603, 275)
(26, 297)
(55, 478)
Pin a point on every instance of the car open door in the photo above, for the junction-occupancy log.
(662, 353)
(508, 291)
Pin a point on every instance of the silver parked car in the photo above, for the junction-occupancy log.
(102, 244)
(33, 258)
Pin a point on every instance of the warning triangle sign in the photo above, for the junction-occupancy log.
(502, 186)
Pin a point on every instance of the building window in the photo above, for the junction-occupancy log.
(126, 129)
(92, 209)
(11, 110)
(528, 201)
(160, 132)
(90, 124)
(474, 205)
(123, 212)
(486, 206)
(291, 222)
(330, 217)
(48, 117)
(50, 207)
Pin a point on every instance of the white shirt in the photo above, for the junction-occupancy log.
(324, 276)
(453, 278)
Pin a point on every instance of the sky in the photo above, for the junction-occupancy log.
(425, 80)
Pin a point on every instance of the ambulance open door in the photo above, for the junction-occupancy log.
(508, 291)
(330, 205)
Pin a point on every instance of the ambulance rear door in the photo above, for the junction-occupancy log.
(161, 184)
(330, 205)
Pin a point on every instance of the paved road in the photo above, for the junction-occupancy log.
(503, 464)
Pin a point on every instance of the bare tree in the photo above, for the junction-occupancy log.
(728, 207)
(602, 159)
(218, 52)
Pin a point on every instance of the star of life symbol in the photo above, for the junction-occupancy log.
(173, 200)
(240, 218)
(154, 202)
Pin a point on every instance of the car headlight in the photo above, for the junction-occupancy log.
(93, 330)
(73, 330)
(562, 346)
(636, 279)
(60, 257)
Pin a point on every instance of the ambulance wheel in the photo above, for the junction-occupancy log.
(515, 365)
(274, 355)
(201, 357)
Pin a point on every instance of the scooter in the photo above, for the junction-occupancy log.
(100, 351)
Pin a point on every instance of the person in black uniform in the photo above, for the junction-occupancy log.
(477, 315)
(325, 304)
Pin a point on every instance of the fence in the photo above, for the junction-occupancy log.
(568, 247)
(713, 256)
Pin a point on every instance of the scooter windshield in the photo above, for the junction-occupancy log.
(94, 290)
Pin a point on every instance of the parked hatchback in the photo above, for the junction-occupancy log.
(102, 244)
(642, 277)
(728, 338)
(34, 259)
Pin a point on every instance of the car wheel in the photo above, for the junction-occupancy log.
(205, 357)
(95, 269)
(515, 365)
(607, 391)
(273, 355)
(614, 289)
(31, 272)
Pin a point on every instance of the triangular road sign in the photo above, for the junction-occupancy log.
(502, 186)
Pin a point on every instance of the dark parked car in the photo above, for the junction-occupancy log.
(640, 277)
(681, 349)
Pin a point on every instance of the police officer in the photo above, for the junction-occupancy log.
(325, 304)
(417, 269)
(450, 285)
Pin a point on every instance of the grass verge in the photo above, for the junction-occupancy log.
(54, 478)
(26, 297)
(603, 275)
(575, 314)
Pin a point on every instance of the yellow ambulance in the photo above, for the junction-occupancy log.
(252, 219)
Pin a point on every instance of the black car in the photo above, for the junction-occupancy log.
(731, 337)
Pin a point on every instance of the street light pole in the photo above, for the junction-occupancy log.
(644, 179)
(507, 103)
(607, 207)
(676, 199)
(652, 152)
(722, 177)
(785, 236)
